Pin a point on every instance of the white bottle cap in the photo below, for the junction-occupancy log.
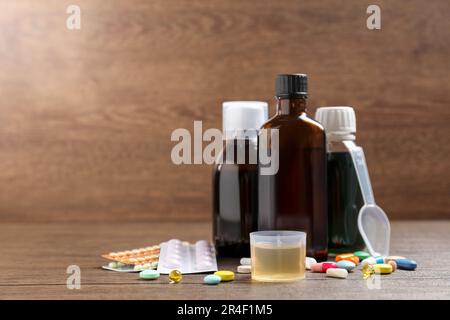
(338, 122)
(243, 116)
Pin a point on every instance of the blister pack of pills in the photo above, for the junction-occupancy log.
(134, 260)
(135, 256)
(187, 257)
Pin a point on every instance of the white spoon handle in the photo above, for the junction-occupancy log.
(359, 162)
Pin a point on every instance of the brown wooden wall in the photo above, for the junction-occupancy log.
(86, 116)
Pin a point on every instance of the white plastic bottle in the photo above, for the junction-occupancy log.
(235, 178)
(344, 194)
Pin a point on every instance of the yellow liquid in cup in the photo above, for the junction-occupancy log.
(277, 263)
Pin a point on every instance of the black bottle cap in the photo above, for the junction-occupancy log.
(291, 85)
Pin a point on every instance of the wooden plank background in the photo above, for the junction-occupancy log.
(86, 116)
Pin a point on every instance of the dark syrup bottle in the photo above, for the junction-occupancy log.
(235, 179)
(344, 194)
(295, 198)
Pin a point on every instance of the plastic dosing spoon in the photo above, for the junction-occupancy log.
(373, 224)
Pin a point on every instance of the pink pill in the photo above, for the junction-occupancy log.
(316, 267)
(328, 265)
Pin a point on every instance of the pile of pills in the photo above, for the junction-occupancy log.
(347, 262)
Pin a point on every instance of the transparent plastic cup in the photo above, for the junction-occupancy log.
(278, 255)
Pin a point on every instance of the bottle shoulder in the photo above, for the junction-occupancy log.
(300, 122)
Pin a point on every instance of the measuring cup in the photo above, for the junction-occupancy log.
(373, 224)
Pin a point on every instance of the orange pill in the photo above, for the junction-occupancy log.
(347, 256)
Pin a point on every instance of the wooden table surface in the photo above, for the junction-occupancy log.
(34, 258)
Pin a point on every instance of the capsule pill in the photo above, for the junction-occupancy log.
(337, 273)
(175, 276)
(393, 258)
(328, 265)
(406, 264)
(347, 256)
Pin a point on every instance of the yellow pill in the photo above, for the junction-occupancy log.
(382, 268)
(225, 275)
(368, 271)
(175, 276)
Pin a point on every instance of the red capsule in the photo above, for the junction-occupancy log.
(328, 265)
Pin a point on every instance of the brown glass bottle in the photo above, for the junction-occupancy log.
(235, 202)
(295, 198)
(235, 178)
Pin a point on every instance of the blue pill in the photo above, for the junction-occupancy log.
(379, 259)
(212, 279)
(406, 264)
(344, 264)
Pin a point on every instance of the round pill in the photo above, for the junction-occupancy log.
(246, 261)
(149, 274)
(225, 275)
(328, 265)
(175, 276)
(361, 255)
(393, 264)
(382, 268)
(244, 269)
(337, 273)
(345, 264)
(406, 264)
(212, 279)
(308, 262)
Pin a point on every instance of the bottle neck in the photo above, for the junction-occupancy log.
(292, 106)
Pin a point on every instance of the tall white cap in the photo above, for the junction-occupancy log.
(241, 116)
(338, 121)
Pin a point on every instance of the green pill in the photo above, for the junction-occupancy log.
(362, 255)
(149, 274)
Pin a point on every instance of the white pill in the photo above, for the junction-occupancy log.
(337, 273)
(244, 269)
(308, 262)
(369, 261)
(246, 261)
